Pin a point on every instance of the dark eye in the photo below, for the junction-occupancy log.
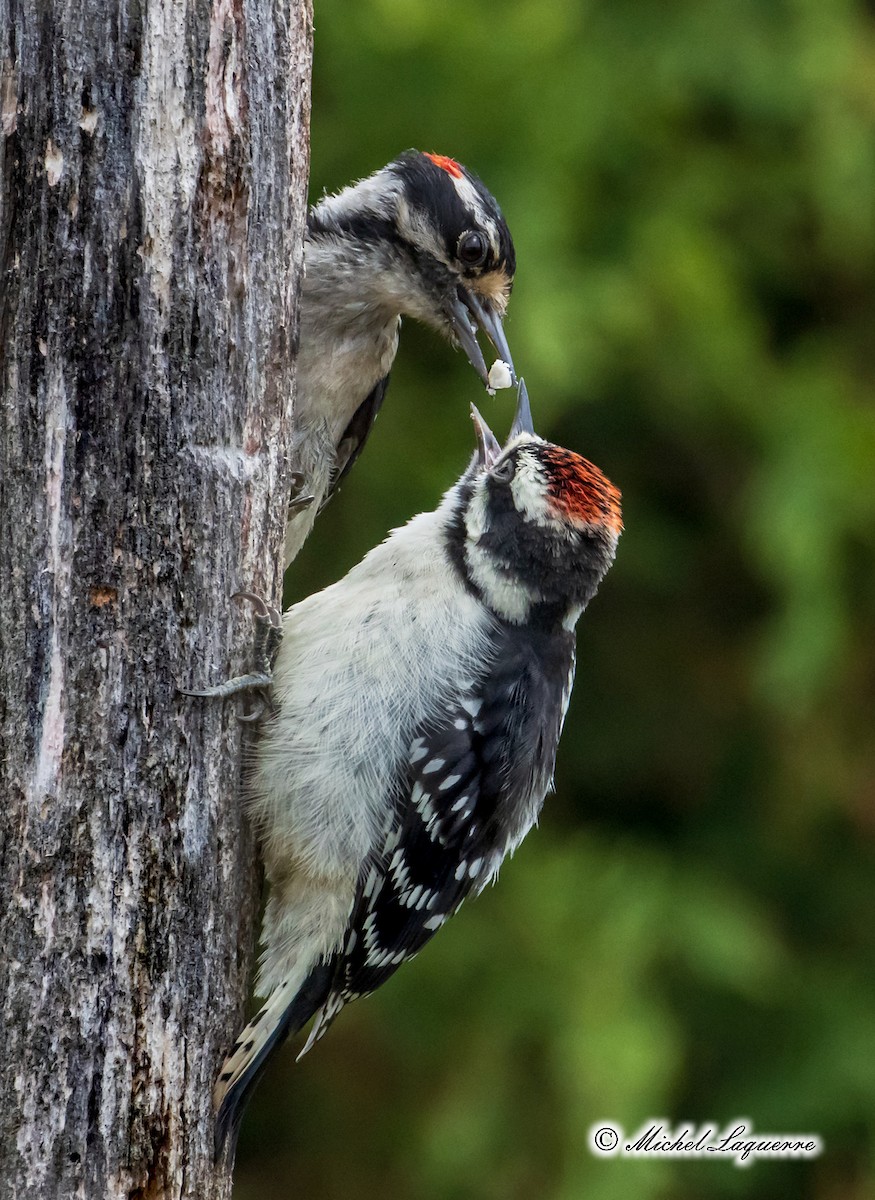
(504, 471)
(473, 248)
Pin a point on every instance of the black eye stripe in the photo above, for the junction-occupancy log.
(431, 190)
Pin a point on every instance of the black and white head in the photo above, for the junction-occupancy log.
(534, 526)
(435, 243)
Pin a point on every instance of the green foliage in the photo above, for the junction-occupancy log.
(689, 935)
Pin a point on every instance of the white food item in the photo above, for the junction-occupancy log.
(500, 376)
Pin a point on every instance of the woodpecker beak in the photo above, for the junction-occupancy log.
(487, 442)
(522, 421)
(468, 313)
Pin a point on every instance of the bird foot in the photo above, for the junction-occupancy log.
(268, 635)
(299, 499)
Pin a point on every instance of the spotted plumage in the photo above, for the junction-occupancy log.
(419, 703)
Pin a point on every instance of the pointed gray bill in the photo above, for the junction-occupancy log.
(487, 442)
(522, 421)
(490, 322)
(468, 314)
(466, 333)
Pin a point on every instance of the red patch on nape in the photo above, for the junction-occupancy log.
(446, 164)
(580, 491)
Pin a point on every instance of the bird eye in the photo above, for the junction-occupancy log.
(473, 248)
(504, 471)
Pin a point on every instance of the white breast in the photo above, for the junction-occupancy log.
(361, 665)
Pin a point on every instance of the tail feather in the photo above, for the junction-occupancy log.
(278, 1019)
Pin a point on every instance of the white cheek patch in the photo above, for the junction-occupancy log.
(510, 598)
(529, 489)
(477, 516)
(414, 227)
(376, 194)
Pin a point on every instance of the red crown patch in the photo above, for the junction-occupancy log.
(581, 491)
(446, 164)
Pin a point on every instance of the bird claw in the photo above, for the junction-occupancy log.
(253, 717)
(268, 635)
(297, 503)
(299, 500)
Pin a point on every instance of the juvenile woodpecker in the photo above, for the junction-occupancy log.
(419, 703)
(421, 238)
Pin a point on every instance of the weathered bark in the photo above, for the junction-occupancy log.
(153, 166)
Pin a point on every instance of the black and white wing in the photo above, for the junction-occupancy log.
(474, 786)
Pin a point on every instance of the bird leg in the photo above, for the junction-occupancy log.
(268, 635)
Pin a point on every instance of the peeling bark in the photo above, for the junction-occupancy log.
(153, 165)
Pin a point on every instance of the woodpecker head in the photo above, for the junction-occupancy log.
(434, 243)
(534, 527)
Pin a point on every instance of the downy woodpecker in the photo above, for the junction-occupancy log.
(418, 707)
(421, 238)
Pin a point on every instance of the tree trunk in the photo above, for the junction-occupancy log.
(153, 166)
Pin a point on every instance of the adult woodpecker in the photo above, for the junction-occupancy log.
(418, 707)
(421, 238)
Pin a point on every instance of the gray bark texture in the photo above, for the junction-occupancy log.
(153, 167)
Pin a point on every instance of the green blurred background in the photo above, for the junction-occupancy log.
(689, 934)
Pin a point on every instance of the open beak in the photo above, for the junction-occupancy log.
(468, 314)
(488, 448)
